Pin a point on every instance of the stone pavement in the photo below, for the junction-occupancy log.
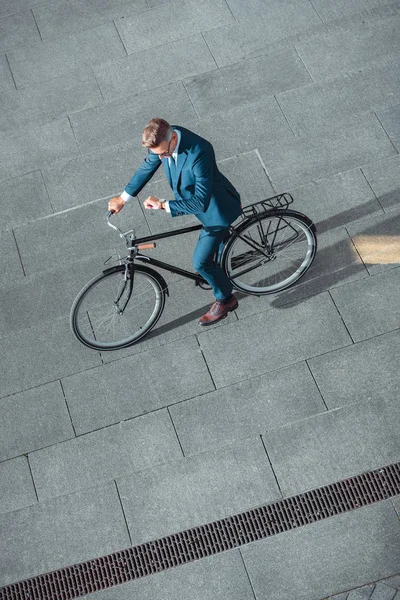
(100, 451)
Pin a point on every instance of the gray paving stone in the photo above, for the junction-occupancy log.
(383, 177)
(390, 119)
(367, 16)
(249, 407)
(56, 98)
(197, 490)
(335, 445)
(31, 65)
(245, 128)
(10, 7)
(246, 173)
(61, 532)
(383, 592)
(16, 27)
(10, 264)
(338, 200)
(124, 120)
(16, 485)
(42, 353)
(32, 199)
(377, 241)
(268, 343)
(35, 146)
(365, 371)
(99, 175)
(62, 16)
(356, 595)
(363, 545)
(293, 163)
(240, 83)
(43, 297)
(349, 50)
(371, 306)
(150, 70)
(243, 8)
(172, 21)
(254, 35)
(222, 576)
(125, 389)
(103, 455)
(336, 104)
(33, 419)
(66, 237)
(6, 80)
(329, 11)
(393, 581)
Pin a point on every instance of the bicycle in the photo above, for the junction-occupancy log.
(269, 248)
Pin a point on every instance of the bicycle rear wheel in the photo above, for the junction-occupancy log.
(269, 253)
(100, 316)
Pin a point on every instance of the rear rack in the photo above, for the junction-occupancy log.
(281, 201)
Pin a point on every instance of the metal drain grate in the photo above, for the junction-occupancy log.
(200, 542)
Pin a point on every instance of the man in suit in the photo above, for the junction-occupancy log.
(200, 189)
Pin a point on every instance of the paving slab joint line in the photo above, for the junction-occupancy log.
(33, 480)
(190, 99)
(390, 139)
(340, 315)
(204, 358)
(247, 574)
(66, 403)
(19, 253)
(371, 188)
(284, 116)
(319, 16)
(257, 153)
(305, 66)
(123, 511)
(209, 49)
(316, 384)
(211, 538)
(176, 433)
(11, 73)
(37, 26)
(122, 42)
(270, 464)
(230, 10)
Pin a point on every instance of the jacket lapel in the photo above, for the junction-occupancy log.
(182, 156)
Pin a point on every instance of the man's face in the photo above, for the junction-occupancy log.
(165, 149)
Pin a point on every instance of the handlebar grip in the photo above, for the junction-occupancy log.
(146, 246)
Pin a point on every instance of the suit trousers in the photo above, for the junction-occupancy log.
(210, 241)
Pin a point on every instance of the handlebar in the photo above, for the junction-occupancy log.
(121, 233)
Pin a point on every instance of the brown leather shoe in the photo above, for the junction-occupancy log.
(219, 310)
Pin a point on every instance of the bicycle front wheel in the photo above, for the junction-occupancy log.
(105, 317)
(269, 253)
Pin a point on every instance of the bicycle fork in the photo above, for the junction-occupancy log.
(128, 280)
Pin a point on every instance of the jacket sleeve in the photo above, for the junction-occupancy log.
(203, 171)
(144, 173)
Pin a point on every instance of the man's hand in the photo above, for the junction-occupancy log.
(153, 202)
(116, 204)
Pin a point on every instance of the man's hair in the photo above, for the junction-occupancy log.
(156, 132)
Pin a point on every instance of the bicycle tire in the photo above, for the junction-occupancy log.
(260, 256)
(94, 313)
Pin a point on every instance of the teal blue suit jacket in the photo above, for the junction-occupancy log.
(201, 188)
